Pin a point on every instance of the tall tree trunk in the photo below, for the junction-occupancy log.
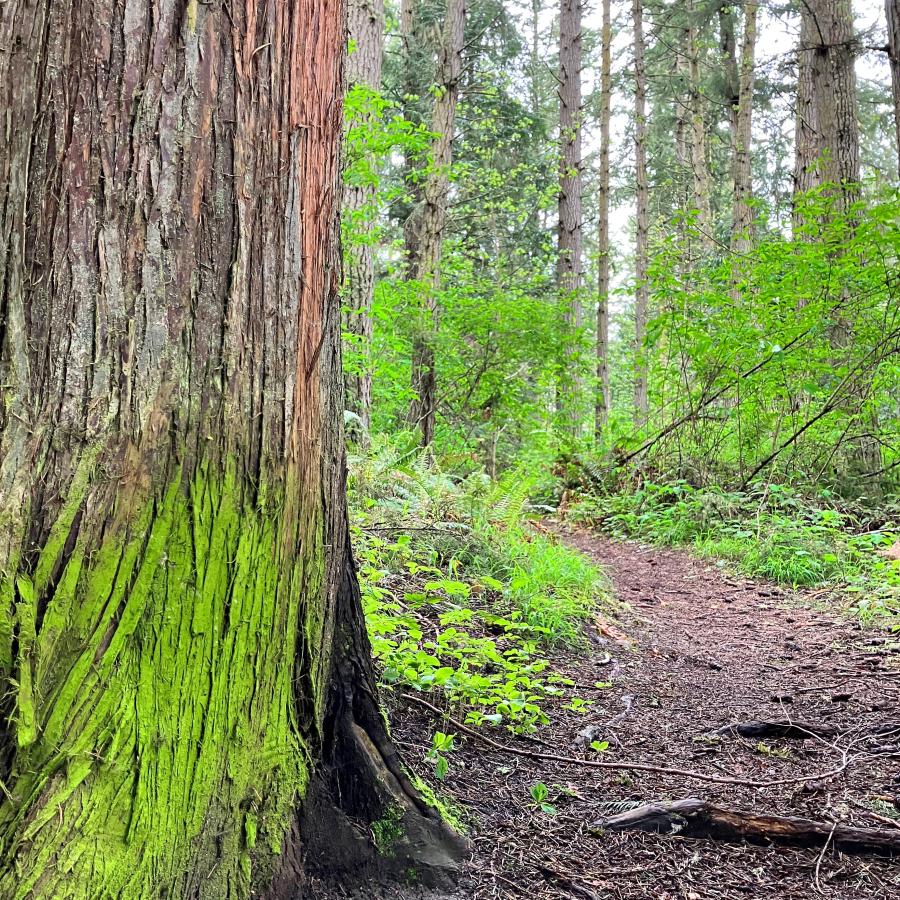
(828, 36)
(807, 134)
(601, 416)
(835, 95)
(427, 226)
(569, 245)
(365, 27)
(892, 9)
(827, 116)
(641, 297)
(699, 165)
(730, 69)
(174, 561)
(742, 182)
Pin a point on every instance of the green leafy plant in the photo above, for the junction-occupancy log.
(441, 745)
(540, 793)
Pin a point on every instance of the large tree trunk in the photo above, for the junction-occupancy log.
(365, 28)
(174, 568)
(892, 10)
(429, 219)
(642, 293)
(602, 406)
(742, 182)
(829, 39)
(827, 148)
(569, 245)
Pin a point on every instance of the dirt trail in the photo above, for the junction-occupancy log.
(709, 649)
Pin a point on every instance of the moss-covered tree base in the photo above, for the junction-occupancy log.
(362, 820)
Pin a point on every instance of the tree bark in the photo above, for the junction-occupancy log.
(827, 115)
(892, 10)
(699, 165)
(828, 37)
(742, 181)
(365, 27)
(642, 293)
(181, 643)
(602, 407)
(426, 227)
(807, 135)
(569, 262)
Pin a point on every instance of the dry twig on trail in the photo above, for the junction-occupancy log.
(625, 765)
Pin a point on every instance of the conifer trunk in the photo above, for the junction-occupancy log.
(602, 406)
(828, 36)
(742, 213)
(699, 166)
(174, 563)
(892, 10)
(425, 248)
(365, 28)
(569, 239)
(807, 136)
(642, 293)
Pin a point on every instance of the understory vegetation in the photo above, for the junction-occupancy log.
(465, 594)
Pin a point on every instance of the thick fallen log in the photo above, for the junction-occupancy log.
(755, 728)
(694, 818)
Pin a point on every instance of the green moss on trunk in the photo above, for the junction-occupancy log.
(158, 752)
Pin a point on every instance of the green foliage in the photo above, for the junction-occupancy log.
(779, 363)
(460, 595)
(540, 793)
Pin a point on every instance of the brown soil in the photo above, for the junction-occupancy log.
(708, 649)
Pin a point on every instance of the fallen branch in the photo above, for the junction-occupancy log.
(622, 765)
(694, 818)
(753, 728)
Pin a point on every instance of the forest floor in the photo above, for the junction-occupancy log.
(699, 649)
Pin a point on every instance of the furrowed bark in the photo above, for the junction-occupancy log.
(569, 264)
(365, 26)
(172, 513)
(425, 241)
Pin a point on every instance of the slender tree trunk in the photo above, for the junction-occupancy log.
(892, 9)
(641, 297)
(730, 69)
(742, 213)
(425, 251)
(602, 409)
(365, 27)
(682, 110)
(569, 242)
(174, 560)
(699, 166)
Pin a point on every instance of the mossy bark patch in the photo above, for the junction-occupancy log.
(155, 711)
